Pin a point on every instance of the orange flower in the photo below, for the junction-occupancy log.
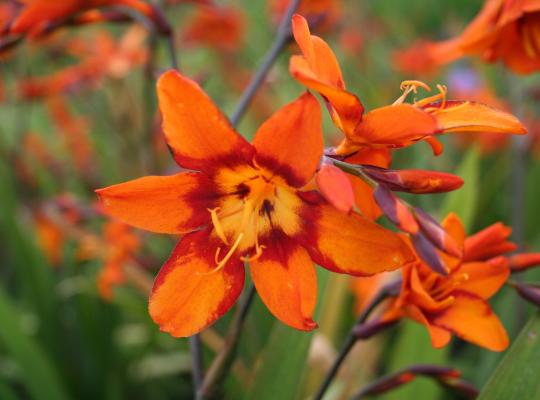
(72, 130)
(397, 125)
(455, 303)
(121, 243)
(504, 30)
(244, 203)
(38, 15)
(50, 237)
(101, 57)
(426, 57)
(222, 28)
(326, 13)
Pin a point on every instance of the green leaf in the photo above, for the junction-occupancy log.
(464, 201)
(516, 377)
(39, 374)
(283, 362)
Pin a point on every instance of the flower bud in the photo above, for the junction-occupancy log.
(436, 234)
(427, 252)
(414, 180)
(522, 262)
(395, 210)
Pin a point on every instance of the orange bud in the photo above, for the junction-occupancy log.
(395, 210)
(335, 186)
(415, 180)
(522, 262)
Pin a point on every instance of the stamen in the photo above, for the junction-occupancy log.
(408, 87)
(217, 224)
(256, 256)
(227, 257)
(440, 96)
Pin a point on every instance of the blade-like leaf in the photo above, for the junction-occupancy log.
(38, 372)
(516, 377)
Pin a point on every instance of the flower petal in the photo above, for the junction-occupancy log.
(485, 279)
(346, 109)
(285, 278)
(290, 142)
(473, 320)
(164, 204)
(468, 116)
(320, 58)
(439, 337)
(394, 126)
(199, 135)
(188, 295)
(349, 243)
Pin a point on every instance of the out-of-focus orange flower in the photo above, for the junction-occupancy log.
(120, 243)
(456, 303)
(38, 15)
(426, 57)
(50, 237)
(73, 130)
(245, 203)
(222, 28)
(397, 125)
(324, 13)
(102, 57)
(351, 40)
(504, 30)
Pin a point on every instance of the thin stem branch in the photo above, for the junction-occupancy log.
(352, 338)
(224, 360)
(195, 349)
(282, 37)
(444, 376)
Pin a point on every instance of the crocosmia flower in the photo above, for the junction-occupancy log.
(397, 125)
(456, 303)
(244, 203)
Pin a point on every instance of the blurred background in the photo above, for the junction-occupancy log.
(78, 112)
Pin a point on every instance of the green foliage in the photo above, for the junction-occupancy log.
(516, 377)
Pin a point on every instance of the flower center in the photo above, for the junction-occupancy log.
(253, 203)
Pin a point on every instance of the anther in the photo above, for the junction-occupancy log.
(217, 224)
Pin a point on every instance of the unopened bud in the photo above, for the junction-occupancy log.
(522, 262)
(428, 253)
(414, 180)
(395, 210)
(436, 234)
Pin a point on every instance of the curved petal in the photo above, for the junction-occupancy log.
(364, 200)
(439, 337)
(395, 126)
(454, 227)
(349, 243)
(188, 295)
(473, 320)
(484, 278)
(285, 278)
(346, 109)
(199, 135)
(165, 204)
(290, 142)
(468, 116)
(319, 57)
(38, 12)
